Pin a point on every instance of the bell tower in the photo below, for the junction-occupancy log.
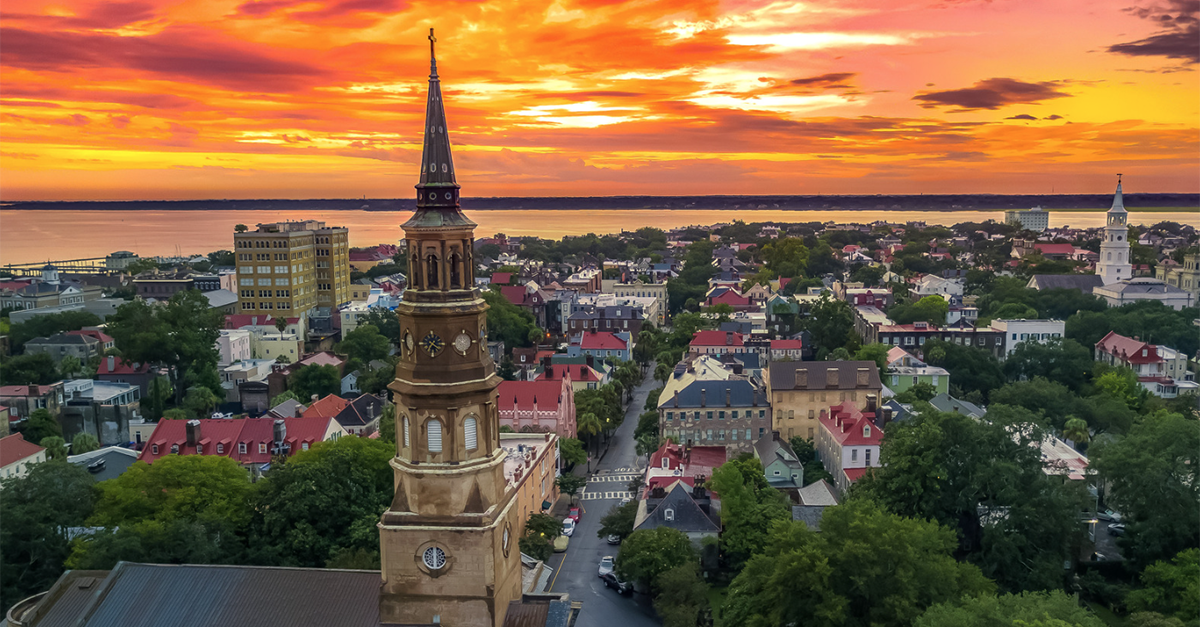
(446, 542)
(1115, 264)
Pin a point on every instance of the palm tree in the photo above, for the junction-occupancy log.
(662, 372)
(280, 325)
(588, 425)
(1076, 430)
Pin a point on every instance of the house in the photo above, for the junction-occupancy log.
(811, 503)
(17, 455)
(729, 296)
(233, 345)
(249, 441)
(1186, 276)
(611, 318)
(224, 301)
(359, 416)
(1017, 331)
(947, 403)
(1085, 283)
(672, 462)
(912, 337)
(932, 285)
(23, 400)
(116, 370)
(100, 408)
(848, 442)
(780, 464)
(685, 508)
(798, 391)
(59, 345)
(538, 406)
(600, 344)
(717, 343)
(1143, 288)
(583, 373)
(706, 402)
(1160, 369)
(787, 350)
(105, 463)
(502, 278)
(657, 291)
(106, 340)
(904, 371)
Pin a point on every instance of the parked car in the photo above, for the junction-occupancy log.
(614, 539)
(611, 580)
(606, 565)
(568, 527)
(1117, 529)
(560, 544)
(573, 514)
(1109, 515)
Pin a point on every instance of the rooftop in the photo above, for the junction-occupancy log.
(524, 395)
(824, 375)
(14, 448)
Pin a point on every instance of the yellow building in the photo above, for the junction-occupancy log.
(801, 390)
(292, 267)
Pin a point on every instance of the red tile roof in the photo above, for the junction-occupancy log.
(1128, 349)
(523, 395)
(24, 391)
(14, 448)
(730, 297)
(717, 338)
(847, 425)
(778, 345)
(103, 337)
(1055, 249)
(854, 474)
(514, 293)
(502, 278)
(229, 433)
(327, 407)
(598, 340)
(120, 366)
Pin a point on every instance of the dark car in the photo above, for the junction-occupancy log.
(612, 581)
(1117, 529)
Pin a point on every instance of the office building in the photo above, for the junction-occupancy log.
(292, 267)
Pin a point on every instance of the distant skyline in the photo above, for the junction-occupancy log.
(148, 99)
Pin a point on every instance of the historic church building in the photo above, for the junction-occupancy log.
(448, 542)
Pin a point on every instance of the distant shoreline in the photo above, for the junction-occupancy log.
(1135, 203)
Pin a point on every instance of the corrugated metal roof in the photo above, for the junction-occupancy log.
(158, 595)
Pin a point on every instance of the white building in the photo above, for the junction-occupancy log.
(1017, 331)
(376, 299)
(233, 345)
(16, 455)
(655, 315)
(1144, 288)
(1114, 264)
(1036, 219)
(932, 285)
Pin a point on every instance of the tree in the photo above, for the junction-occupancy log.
(1150, 320)
(868, 275)
(507, 322)
(1027, 608)
(37, 369)
(931, 309)
(56, 447)
(200, 401)
(865, 567)
(50, 324)
(385, 320)
(1170, 588)
(921, 391)
(69, 366)
(157, 394)
(971, 369)
(570, 484)
(297, 523)
(975, 477)
(618, 521)
(1076, 430)
(239, 228)
(175, 414)
(181, 335)
(682, 599)
(39, 507)
(315, 380)
(284, 397)
(806, 453)
(662, 372)
(875, 352)
(364, 345)
(1122, 384)
(1058, 359)
(571, 451)
(749, 505)
(831, 323)
(84, 443)
(540, 532)
(648, 553)
(1152, 472)
(41, 425)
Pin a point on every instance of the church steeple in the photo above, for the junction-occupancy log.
(1118, 205)
(437, 189)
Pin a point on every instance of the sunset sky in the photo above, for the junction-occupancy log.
(160, 99)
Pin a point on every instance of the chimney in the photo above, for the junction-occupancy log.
(279, 431)
(802, 378)
(887, 416)
(112, 363)
(729, 338)
(315, 397)
(863, 377)
(831, 377)
(677, 398)
(703, 402)
(871, 401)
(299, 410)
(590, 361)
(547, 362)
(34, 390)
(193, 432)
(728, 395)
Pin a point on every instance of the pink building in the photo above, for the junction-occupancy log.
(848, 442)
(538, 406)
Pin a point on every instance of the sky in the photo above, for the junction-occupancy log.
(161, 99)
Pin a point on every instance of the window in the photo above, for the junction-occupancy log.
(868, 456)
(670, 415)
(760, 433)
(262, 447)
(810, 433)
(242, 448)
(433, 430)
(709, 416)
(853, 454)
(708, 435)
(154, 449)
(199, 449)
(720, 415)
(405, 430)
(304, 446)
(777, 473)
(470, 434)
(721, 435)
(434, 558)
(734, 434)
(666, 463)
(220, 449)
(669, 514)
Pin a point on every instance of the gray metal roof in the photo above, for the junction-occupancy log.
(783, 375)
(741, 394)
(686, 514)
(116, 461)
(159, 595)
(1082, 282)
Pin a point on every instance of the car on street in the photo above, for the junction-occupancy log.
(568, 527)
(573, 513)
(560, 544)
(1109, 515)
(611, 580)
(614, 539)
(1117, 529)
(606, 565)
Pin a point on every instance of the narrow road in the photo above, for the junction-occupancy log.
(576, 569)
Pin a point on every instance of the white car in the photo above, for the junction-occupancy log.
(568, 527)
(606, 565)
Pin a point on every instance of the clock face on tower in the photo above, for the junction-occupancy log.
(462, 342)
(432, 343)
(408, 341)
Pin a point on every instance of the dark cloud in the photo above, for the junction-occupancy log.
(1054, 117)
(100, 16)
(992, 93)
(262, 8)
(1023, 116)
(827, 81)
(1179, 39)
(174, 55)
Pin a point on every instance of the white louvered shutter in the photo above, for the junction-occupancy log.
(434, 427)
(471, 434)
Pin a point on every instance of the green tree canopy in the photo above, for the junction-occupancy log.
(314, 379)
(364, 344)
(56, 447)
(831, 324)
(37, 368)
(971, 369)
(1171, 588)
(682, 599)
(571, 450)
(1061, 360)
(50, 324)
(749, 505)
(1027, 608)
(507, 322)
(618, 521)
(648, 553)
(84, 443)
(931, 309)
(182, 335)
(41, 425)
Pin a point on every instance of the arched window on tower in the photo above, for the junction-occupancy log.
(433, 431)
(415, 267)
(471, 433)
(455, 274)
(1109, 257)
(431, 272)
(404, 431)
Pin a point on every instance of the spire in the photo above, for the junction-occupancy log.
(1118, 205)
(437, 190)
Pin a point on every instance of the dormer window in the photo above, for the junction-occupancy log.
(174, 449)
(220, 449)
(154, 449)
(666, 463)
(866, 431)
(199, 449)
(669, 514)
(242, 448)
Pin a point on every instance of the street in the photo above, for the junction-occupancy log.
(576, 569)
